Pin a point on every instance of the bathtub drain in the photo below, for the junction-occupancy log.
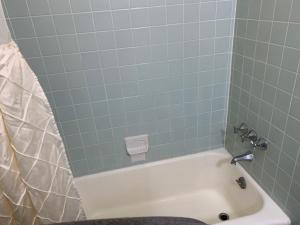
(223, 216)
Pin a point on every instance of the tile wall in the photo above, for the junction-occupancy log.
(265, 93)
(116, 68)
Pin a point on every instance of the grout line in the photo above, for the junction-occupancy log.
(65, 71)
(251, 79)
(263, 87)
(282, 57)
(230, 77)
(123, 9)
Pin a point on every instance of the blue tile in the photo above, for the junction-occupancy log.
(44, 26)
(68, 44)
(86, 125)
(72, 62)
(37, 66)
(100, 5)
(84, 22)
(62, 98)
(16, 8)
(94, 77)
(80, 96)
(60, 6)
(80, 6)
(58, 82)
(97, 93)
(76, 80)
(70, 127)
(90, 60)
(103, 21)
(38, 7)
(49, 46)
(121, 19)
(83, 111)
(100, 108)
(29, 47)
(53, 64)
(23, 28)
(64, 24)
(87, 42)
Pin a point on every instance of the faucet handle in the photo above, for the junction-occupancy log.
(243, 128)
(261, 144)
(250, 135)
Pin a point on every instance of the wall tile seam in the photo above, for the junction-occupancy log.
(289, 111)
(134, 47)
(272, 105)
(64, 67)
(231, 66)
(144, 122)
(121, 9)
(158, 145)
(124, 150)
(251, 81)
(268, 21)
(138, 28)
(264, 101)
(166, 42)
(186, 73)
(99, 66)
(217, 83)
(267, 64)
(267, 43)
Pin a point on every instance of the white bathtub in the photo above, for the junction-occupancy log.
(198, 186)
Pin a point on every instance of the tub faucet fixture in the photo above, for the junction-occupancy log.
(260, 143)
(242, 129)
(255, 142)
(251, 135)
(248, 156)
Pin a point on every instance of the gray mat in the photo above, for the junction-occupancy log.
(140, 221)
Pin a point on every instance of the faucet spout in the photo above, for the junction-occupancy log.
(248, 156)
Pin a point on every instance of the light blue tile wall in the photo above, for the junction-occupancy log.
(116, 68)
(265, 94)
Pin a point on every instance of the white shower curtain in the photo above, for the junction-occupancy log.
(36, 184)
(5, 36)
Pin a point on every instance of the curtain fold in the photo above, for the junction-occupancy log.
(5, 35)
(36, 183)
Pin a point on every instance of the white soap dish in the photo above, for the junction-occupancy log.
(137, 147)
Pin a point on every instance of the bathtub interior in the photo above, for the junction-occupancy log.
(199, 186)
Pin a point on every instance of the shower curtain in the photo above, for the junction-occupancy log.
(36, 184)
(5, 36)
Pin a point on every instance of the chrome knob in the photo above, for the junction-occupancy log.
(261, 144)
(250, 135)
(242, 129)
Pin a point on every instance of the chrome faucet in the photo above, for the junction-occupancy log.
(248, 156)
(256, 143)
(251, 135)
(242, 129)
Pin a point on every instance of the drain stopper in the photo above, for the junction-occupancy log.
(223, 216)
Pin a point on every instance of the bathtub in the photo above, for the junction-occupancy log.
(199, 186)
